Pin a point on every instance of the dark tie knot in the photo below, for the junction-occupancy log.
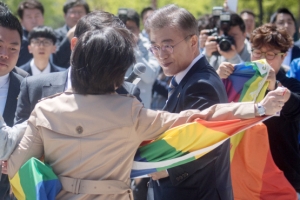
(172, 86)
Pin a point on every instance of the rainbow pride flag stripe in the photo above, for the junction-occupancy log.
(188, 142)
(35, 181)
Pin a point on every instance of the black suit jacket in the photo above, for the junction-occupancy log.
(295, 53)
(24, 55)
(9, 115)
(35, 88)
(63, 51)
(207, 178)
(53, 68)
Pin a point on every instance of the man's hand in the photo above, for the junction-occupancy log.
(158, 175)
(228, 54)
(210, 46)
(4, 167)
(203, 37)
(225, 69)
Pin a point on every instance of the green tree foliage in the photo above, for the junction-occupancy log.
(54, 14)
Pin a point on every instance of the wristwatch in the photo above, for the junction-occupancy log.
(261, 110)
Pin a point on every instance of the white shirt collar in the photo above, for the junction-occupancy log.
(69, 83)
(37, 71)
(180, 75)
(4, 79)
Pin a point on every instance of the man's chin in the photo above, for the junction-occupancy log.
(4, 70)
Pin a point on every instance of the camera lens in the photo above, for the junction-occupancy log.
(225, 42)
(225, 45)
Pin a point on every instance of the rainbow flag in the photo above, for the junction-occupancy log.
(250, 153)
(186, 143)
(35, 181)
(247, 82)
(173, 148)
(254, 173)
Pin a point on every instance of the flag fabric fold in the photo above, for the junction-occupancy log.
(250, 153)
(185, 143)
(35, 181)
(188, 142)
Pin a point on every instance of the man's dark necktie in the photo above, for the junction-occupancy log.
(172, 86)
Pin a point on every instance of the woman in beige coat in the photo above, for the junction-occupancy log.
(89, 135)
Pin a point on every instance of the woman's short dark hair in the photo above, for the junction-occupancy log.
(173, 16)
(97, 20)
(271, 36)
(29, 4)
(100, 60)
(42, 31)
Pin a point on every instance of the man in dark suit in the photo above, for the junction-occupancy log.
(194, 85)
(31, 14)
(73, 11)
(35, 88)
(10, 41)
(42, 41)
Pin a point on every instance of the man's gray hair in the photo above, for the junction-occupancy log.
(174, 17)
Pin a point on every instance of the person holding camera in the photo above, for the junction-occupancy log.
(232, 46)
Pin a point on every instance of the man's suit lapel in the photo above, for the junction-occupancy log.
(57, 85)
(171, 104)
(27, 68)
(12, 98)
(52, 69)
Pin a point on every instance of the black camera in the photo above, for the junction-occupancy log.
(225, 41)
(213, 32)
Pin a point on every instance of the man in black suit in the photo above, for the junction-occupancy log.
(194, 85)
(10, 41)
(73, 11)
(31, 14)
(42, 41)
(35, 88)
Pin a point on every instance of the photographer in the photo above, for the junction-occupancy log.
(218, 51)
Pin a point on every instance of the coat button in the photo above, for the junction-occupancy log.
(79, 129)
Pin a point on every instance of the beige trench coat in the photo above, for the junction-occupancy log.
(93, 138)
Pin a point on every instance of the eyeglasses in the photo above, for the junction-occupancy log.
(74, 12)
(45, 43)
(268, 55)
(167, 48)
